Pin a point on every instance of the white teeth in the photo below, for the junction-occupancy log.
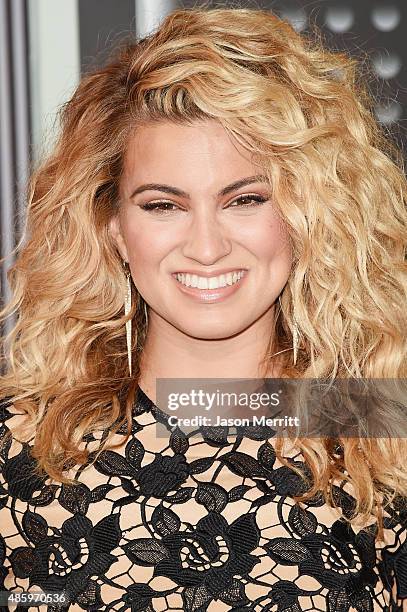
(214, 282)
(202, 283)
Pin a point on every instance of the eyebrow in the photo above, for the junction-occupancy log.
(183, 194)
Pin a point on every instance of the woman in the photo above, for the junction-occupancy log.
(224, 143)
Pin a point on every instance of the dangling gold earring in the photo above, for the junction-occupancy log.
(146, 313)
(296, 336)
(127, 308)
(295, 339)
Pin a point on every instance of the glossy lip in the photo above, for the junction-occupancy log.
(206, 296)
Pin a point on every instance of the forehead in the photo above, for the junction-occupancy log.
(202, 151)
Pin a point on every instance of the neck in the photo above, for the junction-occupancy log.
(170, 353)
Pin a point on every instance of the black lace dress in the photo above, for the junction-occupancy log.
(204, 521)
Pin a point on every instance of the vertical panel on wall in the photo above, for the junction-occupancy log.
(20, 79)
(14, 135)
(54, 65)
(149, 14)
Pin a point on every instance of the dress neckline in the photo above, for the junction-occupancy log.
(144, 404)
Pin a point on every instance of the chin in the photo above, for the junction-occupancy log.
(212, 331)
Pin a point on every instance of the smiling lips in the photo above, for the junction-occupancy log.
(210, 288)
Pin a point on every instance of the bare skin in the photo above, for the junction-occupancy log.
(205, 232)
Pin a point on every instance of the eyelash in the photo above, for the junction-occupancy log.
(155, 206)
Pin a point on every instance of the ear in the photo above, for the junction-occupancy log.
(117, 236)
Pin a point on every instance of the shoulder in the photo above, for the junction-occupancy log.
(6, 410)
(7, 413)
(394, 552)
(16, 438)
(14, 422)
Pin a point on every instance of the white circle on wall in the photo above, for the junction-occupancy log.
(389, 113)
(386, 18)
(339, 18)
(386, 64)
(296, 16)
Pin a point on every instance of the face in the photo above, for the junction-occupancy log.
(208, 214)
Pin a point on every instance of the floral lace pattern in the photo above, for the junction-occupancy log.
(197, 522)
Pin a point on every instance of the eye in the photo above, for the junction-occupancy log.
(251, 198)
(158, 206)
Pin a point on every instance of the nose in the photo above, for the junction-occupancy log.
(207, 240)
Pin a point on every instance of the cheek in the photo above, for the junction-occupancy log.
(147, 246)
(269, 240)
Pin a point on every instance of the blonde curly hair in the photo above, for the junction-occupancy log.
(335, 176)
